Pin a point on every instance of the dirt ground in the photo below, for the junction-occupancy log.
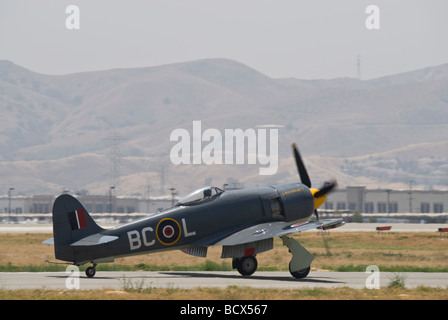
(339, 251)
(331, 251)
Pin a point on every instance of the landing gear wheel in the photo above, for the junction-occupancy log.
(300, 274)
(245, 265)
(90, 272)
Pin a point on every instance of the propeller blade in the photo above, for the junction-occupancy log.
(301, 167)
(326, 188)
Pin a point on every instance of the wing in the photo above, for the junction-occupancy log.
(275, 229)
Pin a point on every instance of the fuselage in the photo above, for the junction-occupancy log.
(207, 221)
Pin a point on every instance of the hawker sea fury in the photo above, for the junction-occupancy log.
(244, 222)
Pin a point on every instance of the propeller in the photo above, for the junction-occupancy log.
(318, 194)
(301, 167)
(326, 188)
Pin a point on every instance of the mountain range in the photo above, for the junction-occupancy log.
(88, 131)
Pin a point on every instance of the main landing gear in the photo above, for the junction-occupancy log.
(299, 267)
(245, 265)
(299, 274)
(300, 264)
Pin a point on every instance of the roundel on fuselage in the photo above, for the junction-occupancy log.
(168, 231)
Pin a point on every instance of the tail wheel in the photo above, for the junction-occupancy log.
(245, 265)
(90, 272)
(300, 274)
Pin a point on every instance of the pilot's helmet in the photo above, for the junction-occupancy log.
(207, 192)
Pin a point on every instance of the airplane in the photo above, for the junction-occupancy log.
(244, 222)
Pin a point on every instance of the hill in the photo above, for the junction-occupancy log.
(68, 131)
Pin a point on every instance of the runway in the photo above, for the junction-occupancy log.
(218, 279)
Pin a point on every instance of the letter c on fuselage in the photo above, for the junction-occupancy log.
(145, 239)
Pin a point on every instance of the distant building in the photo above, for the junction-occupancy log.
(92, 203)
(364, 200)
(348, 200)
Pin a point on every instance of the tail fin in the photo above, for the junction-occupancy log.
(71, 222)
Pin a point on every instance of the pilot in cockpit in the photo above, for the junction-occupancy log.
(207, 193)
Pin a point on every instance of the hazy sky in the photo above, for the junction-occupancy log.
(281, 38)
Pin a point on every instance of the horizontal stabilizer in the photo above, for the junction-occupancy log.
(49, 241)
(94, 240)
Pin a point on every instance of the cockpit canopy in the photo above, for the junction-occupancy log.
(200, 195)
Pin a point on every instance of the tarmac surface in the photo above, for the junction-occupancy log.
(217, 279)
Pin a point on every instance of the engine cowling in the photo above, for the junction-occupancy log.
(297, 200)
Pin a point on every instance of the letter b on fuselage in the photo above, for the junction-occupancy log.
(135, 240)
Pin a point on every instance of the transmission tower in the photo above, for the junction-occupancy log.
(162, 179)
(114, 143)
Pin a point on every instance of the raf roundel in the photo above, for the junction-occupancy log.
(168, 231)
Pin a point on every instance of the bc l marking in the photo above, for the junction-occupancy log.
(168, 232)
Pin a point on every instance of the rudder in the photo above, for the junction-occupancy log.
(71, 222)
